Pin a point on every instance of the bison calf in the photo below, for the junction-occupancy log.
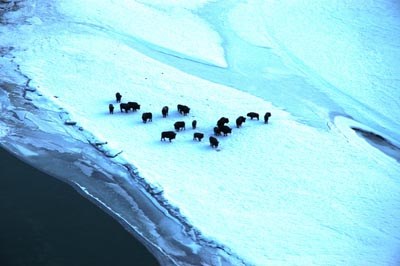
(111, 108)
(253, 114)
(147, 117)
(168, 134)
(199, 136)
(240, 120)
(214, 142)
(118, 97)
(164, 111)
(180, 125)
(194, 124)
(266, 117)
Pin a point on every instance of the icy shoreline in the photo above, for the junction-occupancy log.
(36, 133)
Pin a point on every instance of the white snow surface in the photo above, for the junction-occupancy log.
(353, 45)
(283, 193)
(158, 22)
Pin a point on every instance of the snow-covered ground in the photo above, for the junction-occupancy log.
(304, 189)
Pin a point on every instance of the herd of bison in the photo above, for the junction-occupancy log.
(220, 129)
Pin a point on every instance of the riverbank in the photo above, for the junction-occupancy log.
(46, 222)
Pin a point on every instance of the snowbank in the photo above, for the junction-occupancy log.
(155, 23)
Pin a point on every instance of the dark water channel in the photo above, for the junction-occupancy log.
(44, 221)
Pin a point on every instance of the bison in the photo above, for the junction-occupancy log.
(222, 121)
(164, 111)
(180, 125)
(147, 117)
(168, 134)
(124, 106)
(226, 130)
(111, 108)
(183, 109)
(217, 131)
(198, 136)
(240, 120)
(118, 97)
(194, 124)
(134, 106)
(266, 117)
(253, 114)
(214, 142)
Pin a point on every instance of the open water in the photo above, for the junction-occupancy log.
(44, 221)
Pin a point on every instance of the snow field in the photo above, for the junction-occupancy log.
(247, 196)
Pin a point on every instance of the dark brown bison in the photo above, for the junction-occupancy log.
(194, 124)
(253, 114)
(214, 142)
(125, 107)
(134, 106)
(183, 109)
(164, 111)
(168, 134)
(266, 117)
(180, 125)
(118, 97)
(226, 130)
(179, 107)
(217, 131)
(147, 117)
(222, 121)
(198, 136)
(111, 108)
(240, 120)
